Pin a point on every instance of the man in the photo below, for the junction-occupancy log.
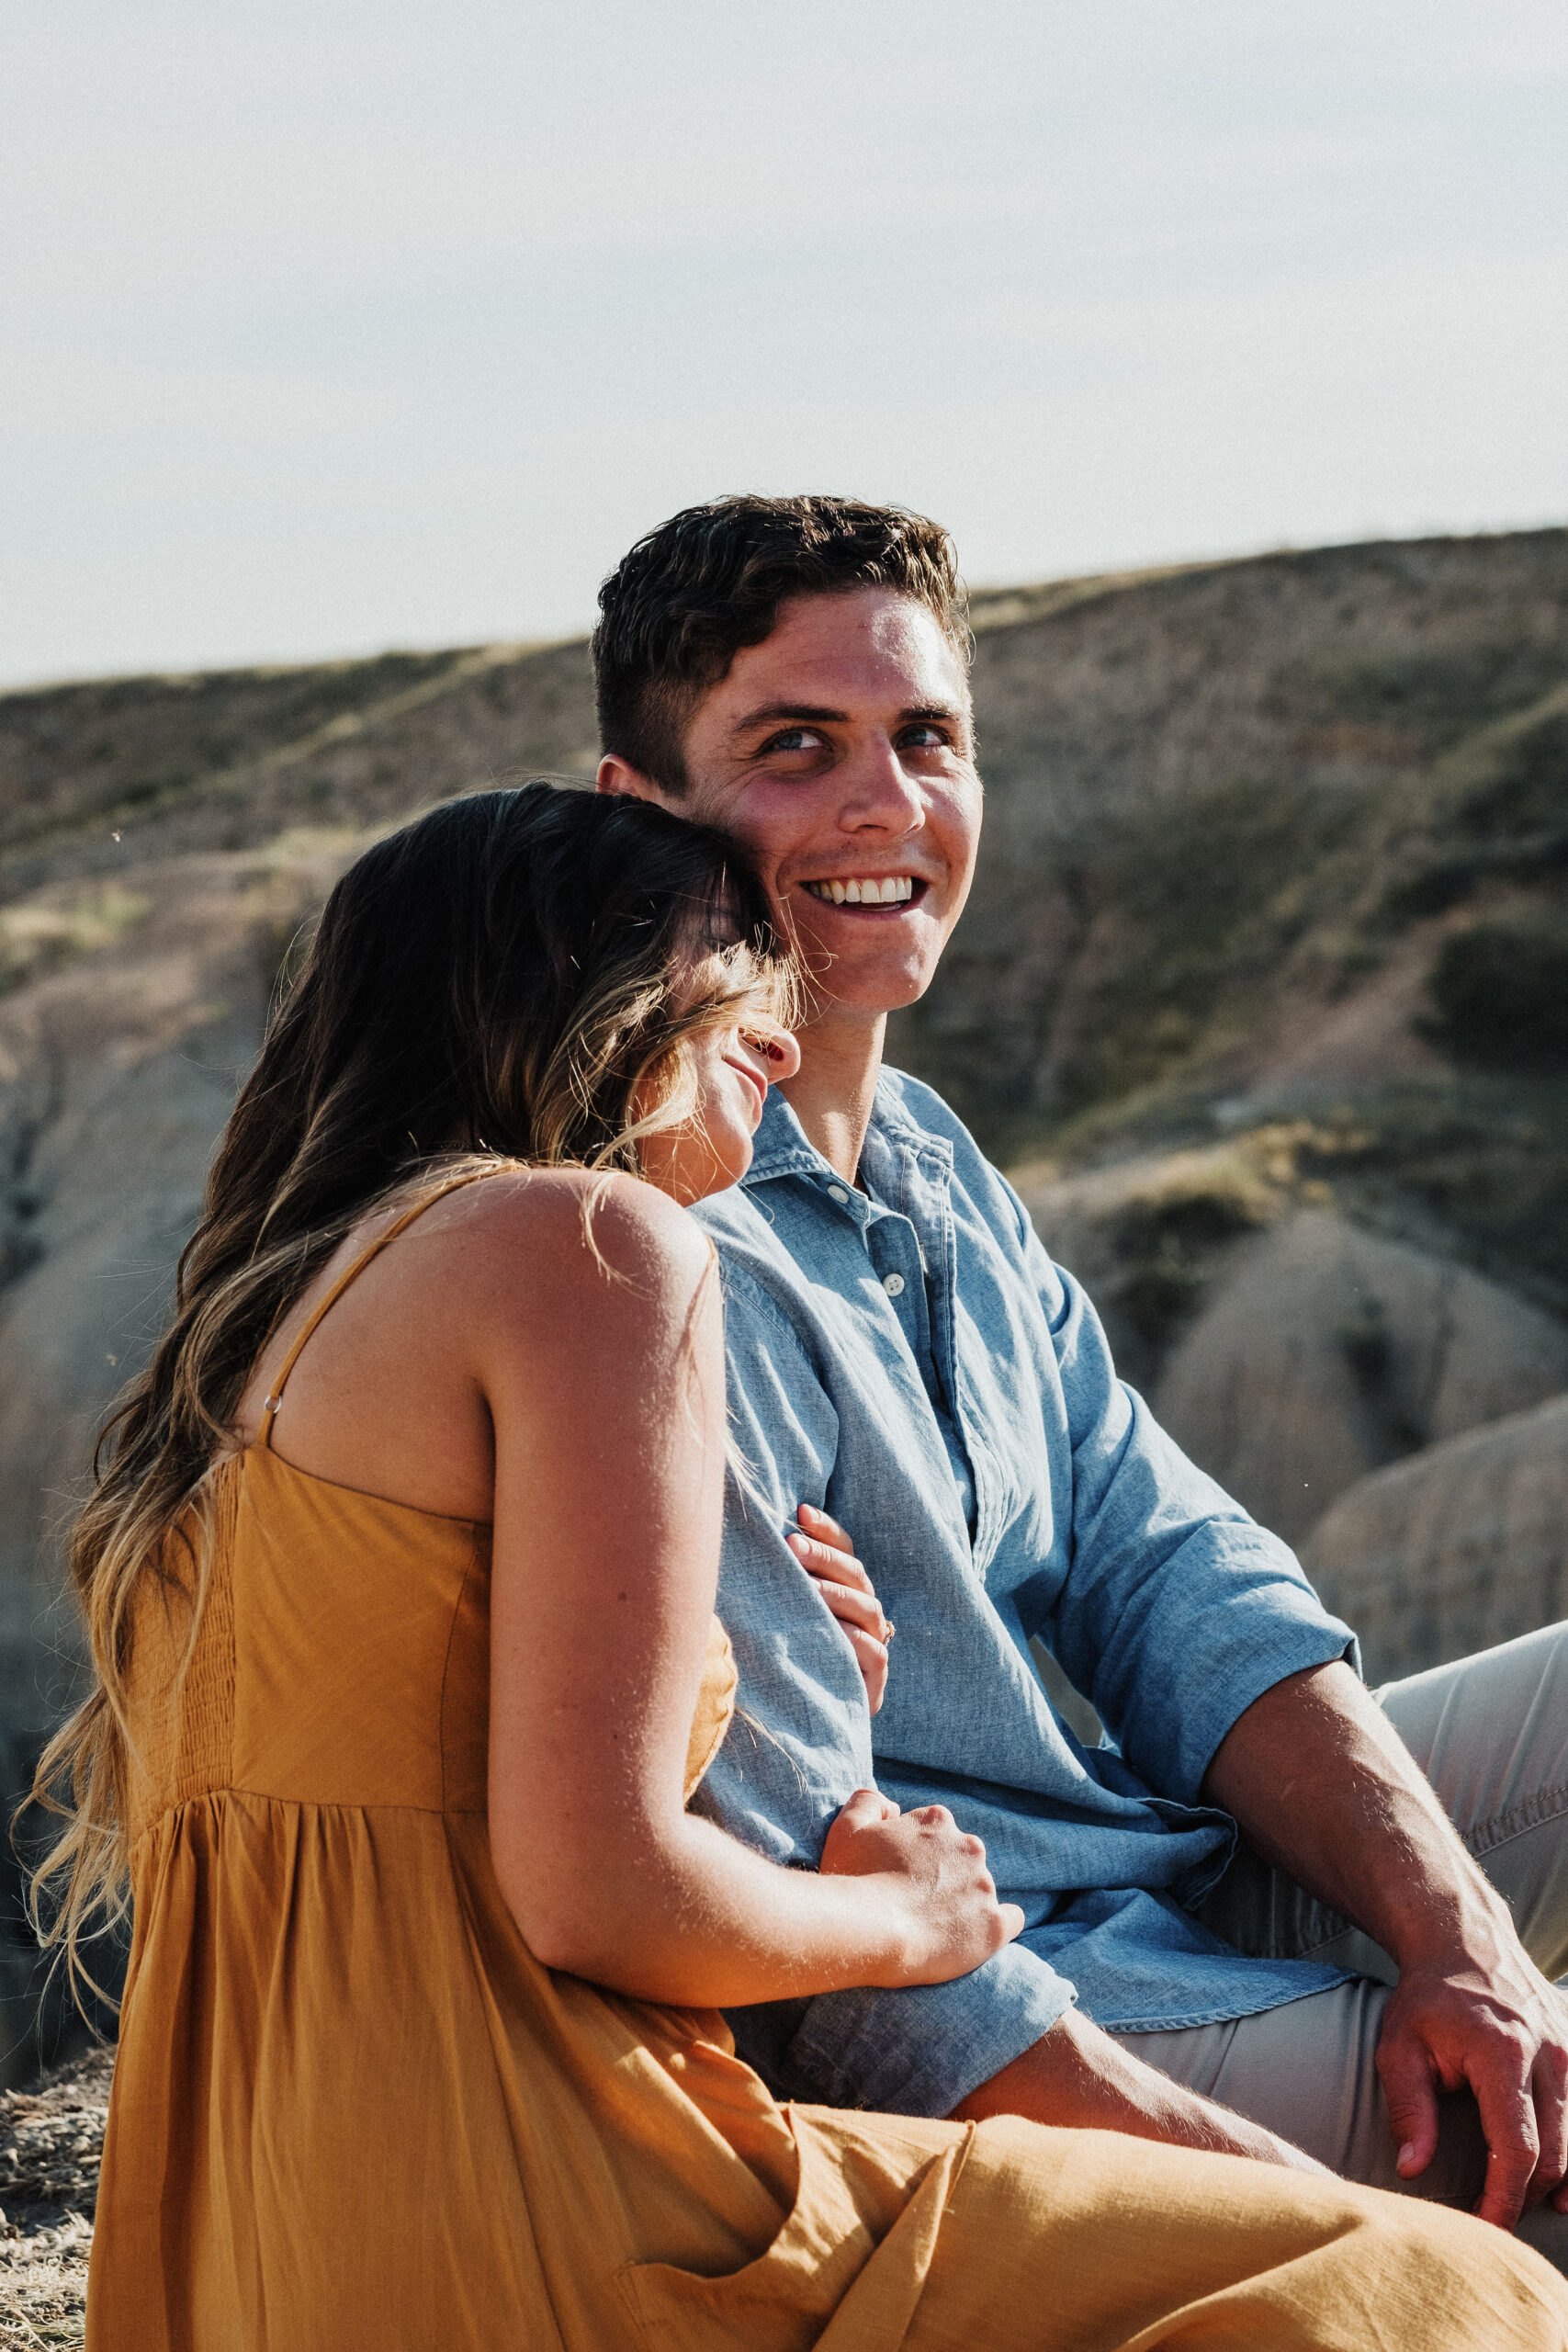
(903, 1354)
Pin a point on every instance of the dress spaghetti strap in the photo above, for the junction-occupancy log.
(273, 1398)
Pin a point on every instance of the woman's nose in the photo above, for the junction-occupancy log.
(776, 1051)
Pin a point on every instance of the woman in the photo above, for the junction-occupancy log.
(399, 1577)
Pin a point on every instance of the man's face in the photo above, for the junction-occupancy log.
(838, 751)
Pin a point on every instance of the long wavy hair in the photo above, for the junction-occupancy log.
(513, 977)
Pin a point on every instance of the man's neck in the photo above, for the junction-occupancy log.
(832, 1092)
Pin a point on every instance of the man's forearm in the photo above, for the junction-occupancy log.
(1323, 1786)
(1079, 2079)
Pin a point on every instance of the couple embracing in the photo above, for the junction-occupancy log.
(563, 1915)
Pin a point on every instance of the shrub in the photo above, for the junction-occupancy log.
(1501, 993)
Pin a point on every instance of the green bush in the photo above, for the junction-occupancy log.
(1529, 792)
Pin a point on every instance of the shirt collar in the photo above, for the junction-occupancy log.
(782, 1147)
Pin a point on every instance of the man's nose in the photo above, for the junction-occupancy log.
(875, 789)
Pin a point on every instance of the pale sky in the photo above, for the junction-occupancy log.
(327, 326)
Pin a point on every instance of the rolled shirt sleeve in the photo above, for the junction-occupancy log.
(800, 1744)
(912, 2050)
(1171, 1586)
(800, 1748)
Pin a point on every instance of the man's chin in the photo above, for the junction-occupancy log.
(868, 998)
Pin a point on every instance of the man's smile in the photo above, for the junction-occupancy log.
(866, 890)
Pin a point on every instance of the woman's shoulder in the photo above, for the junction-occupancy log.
(548, 1229)
(533, 1283)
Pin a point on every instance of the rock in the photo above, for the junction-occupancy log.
(1149, 1237)
(125, 1163)
(1463, 1545)
(1327, 1352)
(122, 1069)
(50, 2158)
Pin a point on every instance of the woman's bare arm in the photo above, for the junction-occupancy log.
(603, 1370)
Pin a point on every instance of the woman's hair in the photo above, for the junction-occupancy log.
(512, 975)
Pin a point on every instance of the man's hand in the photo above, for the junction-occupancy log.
(1497, 2024)
(1324, 1788)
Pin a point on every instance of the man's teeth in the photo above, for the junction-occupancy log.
(893, 892)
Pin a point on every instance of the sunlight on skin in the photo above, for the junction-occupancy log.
(733, 1067)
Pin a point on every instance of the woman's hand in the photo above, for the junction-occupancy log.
(935, 1871)
(826, 1553)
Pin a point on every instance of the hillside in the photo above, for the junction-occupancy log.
(1241, 820)
(1263, 990)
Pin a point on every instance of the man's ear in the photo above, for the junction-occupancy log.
(616, 775)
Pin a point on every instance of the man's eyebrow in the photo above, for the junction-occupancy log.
(806, 714)
(769, 713)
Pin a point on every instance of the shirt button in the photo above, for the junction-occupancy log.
(892, 1284)
(837, 1193)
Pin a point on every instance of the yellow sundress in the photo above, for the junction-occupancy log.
(351, 2113)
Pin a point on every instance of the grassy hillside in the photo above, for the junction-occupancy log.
(1277, 839)
(102, 776)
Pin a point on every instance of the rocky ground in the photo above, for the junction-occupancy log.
(51, 2140)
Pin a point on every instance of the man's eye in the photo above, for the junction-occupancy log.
(923, 736)
(795, 739)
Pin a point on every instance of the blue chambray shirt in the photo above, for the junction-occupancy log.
(913, 1363)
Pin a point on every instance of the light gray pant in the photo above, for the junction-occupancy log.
(1490, 1733)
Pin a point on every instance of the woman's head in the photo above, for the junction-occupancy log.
(538, 974)
(546, 976)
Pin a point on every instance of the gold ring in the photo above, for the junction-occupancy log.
(892, 1629)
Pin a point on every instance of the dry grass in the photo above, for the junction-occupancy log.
(40, 933)
(51, 2144)
(43, 2286)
